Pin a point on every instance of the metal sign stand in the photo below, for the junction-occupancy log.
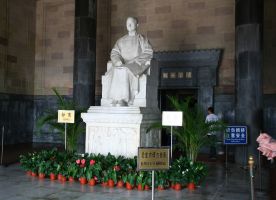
(2, 150)
(152, 185)
(171, 141)
(65, 134)
(226, 157)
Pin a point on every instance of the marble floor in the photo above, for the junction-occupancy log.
(233, 185)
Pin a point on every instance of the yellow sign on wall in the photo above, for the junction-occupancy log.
(153, 158)
(66, 116)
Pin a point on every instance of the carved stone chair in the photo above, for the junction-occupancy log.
(148, 88)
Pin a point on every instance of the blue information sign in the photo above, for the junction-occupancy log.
(235, 135)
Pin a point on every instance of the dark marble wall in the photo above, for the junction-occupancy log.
(85, 52)
(224, 105)
(269, 115)
(41, 104)
(248, 71)
(16, 114)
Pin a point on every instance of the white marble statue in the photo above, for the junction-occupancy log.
(129, 102)
(130, 57)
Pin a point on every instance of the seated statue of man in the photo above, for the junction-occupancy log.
(130, 57)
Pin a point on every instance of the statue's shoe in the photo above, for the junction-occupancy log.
(114, 103)
(121, 103)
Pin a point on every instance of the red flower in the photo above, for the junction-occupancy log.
(78, 161)
(92, 162)
(95, 178)
(83, 161)
(117, 168)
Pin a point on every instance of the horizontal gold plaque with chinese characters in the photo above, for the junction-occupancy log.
(151, 158)
(66, 116)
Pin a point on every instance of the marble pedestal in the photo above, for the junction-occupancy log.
(120, 130)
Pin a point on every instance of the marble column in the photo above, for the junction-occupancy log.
(85, 56)
(85, 52)
(249, 14)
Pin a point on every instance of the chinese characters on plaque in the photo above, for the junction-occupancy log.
(66, 116)
(153, 158)
(235, 135)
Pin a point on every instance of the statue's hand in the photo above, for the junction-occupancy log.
(118, 64)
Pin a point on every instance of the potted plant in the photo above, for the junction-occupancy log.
(104, 178)
(176, 180)
(130, 179)
(141, 180)
(72, 171)
(93, 171)
(161, 180)
(112, 177)
(49, 118)
(193, 133)
(177, 173)
(82, 170)
(34, 163)
(26, 163)
(195, 173)
(43, 168)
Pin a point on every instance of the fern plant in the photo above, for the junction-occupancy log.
(50, 118)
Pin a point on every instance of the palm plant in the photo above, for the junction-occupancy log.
(192, 135)
(50, 117)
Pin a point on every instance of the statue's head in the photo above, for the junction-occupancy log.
(131, 24)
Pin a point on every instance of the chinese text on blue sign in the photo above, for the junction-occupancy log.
(235, 135)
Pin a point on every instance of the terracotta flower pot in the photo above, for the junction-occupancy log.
(104, 184)
(33, 174)
(92, 182)
(59, 177)
(172, 185)
(177, 186)
(71, 179)
(63, 179)
(41, 175)
(29, 173)
(160, 187)
(147, 187)
(129, 186)
(120, 184)
(140, 187)
(52, 176)
(191, 186)
(110, 183)
(83, 180)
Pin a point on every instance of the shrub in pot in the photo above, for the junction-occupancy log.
(161, 180)
(141, 180)
(130, 180)
(93, 170)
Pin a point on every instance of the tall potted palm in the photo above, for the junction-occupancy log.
(49, 117)
(192, 135)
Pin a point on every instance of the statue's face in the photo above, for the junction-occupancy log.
(131, 24)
